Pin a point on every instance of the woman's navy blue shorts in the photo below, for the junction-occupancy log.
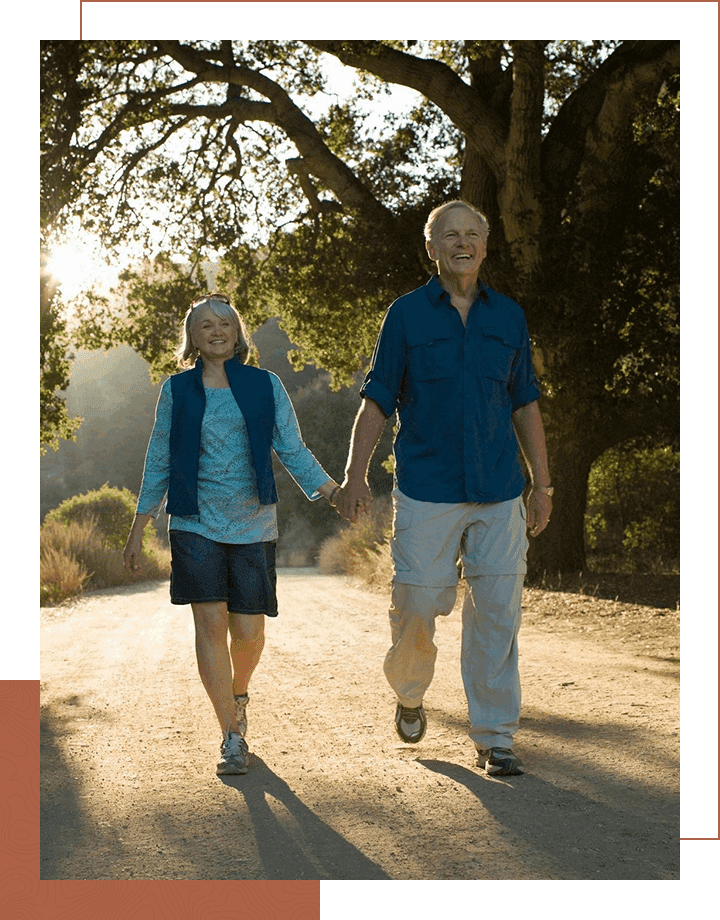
(242, 574)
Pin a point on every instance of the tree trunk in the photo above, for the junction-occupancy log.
(561, 547)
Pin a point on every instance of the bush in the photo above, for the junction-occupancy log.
(111, 510)
(61, 576)
(632, 521)
(361, 549)
(76, 556)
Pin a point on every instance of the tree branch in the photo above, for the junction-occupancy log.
(439, 83)
(280, 110)
(632, 68)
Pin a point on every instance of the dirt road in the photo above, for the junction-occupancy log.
(129, 745)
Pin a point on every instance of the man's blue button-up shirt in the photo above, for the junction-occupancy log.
(455, 387)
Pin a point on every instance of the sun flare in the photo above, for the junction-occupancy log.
(77, 265)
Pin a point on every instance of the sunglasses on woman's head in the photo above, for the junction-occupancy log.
(221, 297)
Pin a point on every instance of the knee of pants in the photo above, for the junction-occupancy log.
(421, 600)
(500, 591)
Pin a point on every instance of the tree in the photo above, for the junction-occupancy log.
(571, 149)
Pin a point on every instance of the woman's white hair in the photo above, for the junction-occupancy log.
(186, 353)
(438, 212)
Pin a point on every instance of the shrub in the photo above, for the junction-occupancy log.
(61, 576)
(76, 556)
(633, 512)
(112, 511)
(361, 549)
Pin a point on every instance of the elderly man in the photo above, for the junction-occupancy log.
(453, 358)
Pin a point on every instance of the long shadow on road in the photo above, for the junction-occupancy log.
(584, 838)
(65, 829)
(292, 842)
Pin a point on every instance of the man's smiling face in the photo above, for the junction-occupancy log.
(457, 245)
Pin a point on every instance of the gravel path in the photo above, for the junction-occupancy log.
(129, 745)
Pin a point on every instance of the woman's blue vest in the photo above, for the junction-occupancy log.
(253, 392)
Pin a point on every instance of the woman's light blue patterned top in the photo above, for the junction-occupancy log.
(229, 509)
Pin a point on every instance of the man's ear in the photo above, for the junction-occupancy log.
(429, 250)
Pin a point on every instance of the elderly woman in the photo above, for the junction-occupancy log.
(210, 452)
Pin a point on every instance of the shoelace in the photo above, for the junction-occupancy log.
(234, 746)
(409, 715)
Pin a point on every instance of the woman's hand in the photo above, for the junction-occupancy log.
(132, 554)
(353, 499)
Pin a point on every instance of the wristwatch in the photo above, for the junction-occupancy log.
(546, 490)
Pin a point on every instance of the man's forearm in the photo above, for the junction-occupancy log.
(367, 429)
(531, 437)
(355, 495)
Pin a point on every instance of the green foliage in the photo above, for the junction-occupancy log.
(55, 422)
(572, 148)
(330, 283)
(633, 513)
(155, 299)
(111, 509)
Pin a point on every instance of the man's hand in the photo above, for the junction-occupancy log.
(539, 507)
(353, 499)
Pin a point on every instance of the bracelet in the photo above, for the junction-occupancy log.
(332, 496)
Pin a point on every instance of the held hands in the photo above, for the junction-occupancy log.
(353, 499)
(539, 506)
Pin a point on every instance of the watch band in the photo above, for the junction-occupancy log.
(546, 490)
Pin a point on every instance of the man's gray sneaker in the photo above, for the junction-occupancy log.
(500, 762)
(241, 712)
(410, 722)
(233, 755)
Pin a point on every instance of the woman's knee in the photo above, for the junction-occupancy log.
(246, 627)
(211, 619)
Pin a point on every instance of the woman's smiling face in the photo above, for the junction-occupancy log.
(213, 334)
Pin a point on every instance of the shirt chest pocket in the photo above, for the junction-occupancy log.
(432, 360)
(497, 354)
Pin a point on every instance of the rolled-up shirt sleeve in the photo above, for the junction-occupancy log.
(383, 381)
(156, 473)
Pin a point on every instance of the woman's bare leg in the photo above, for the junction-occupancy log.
(214, 664)
(247, 640)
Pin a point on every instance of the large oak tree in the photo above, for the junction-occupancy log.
(570, 148)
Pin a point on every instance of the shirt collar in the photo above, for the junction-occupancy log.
(438, 295)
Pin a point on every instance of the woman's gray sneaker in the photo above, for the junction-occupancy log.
(233, 755)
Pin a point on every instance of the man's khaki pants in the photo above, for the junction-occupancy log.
(429, 539)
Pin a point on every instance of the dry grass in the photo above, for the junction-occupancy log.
(361, 550)
(75, 557)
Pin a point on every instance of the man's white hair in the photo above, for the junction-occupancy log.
(438, 212)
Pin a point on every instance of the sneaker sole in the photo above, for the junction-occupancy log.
(504, 771)
(230, 770)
